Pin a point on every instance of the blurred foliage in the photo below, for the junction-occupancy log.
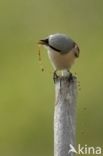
(27, 94)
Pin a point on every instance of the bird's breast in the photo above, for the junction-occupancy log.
(61, 61)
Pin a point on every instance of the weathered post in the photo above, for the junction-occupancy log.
(65, 115)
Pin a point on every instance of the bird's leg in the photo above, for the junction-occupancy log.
(55, 76)
(70, 76)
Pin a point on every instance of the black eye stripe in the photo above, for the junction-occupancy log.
(54, 48)
(46, 42)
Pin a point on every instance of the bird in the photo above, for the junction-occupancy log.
(62, 51)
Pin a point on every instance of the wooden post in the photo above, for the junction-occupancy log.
(65, 115)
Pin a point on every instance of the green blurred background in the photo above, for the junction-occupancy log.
(27, 94)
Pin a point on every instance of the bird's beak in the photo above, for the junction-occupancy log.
(43, 42)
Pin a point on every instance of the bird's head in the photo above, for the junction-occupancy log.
(60, 43)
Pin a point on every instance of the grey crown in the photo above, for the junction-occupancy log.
(61, 42)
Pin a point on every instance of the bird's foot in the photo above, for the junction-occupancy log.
(56, 75)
